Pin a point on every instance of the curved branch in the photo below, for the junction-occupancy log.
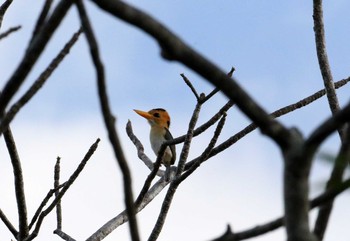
(174, 48)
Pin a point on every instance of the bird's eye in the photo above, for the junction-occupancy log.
(156, 115)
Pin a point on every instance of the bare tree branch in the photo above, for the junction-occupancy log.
(39, 82)
(109, 121)
(325, 197)
(325, 211)
(8, 224)
(175, 49)
(42, 17)
(56, 185)
(64, 189)
(115, 222)
(63, 235)
(43, 204)
(19, 185)
(322, 56)
(9, 31)
(3, 9)
(173, 185)
(32, 53)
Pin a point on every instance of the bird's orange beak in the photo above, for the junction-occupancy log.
(144, 114)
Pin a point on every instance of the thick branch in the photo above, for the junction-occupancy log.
(3, 9)
(19, 185)
(109, 121)
(175, 49)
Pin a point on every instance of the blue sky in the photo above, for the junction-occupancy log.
(271, 45)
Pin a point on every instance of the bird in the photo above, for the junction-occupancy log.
(159, 120)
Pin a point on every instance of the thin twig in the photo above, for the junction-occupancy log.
(19, 185)
(325, 211)
(211, 94)
(43, 203)
(189, 84)
(9, 31)
(8, 224)
(109, 121)
(64, 189)
(140, 150)
(278, 113)
(205, 155)
(39, 82)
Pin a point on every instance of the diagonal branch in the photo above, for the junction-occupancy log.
(109, 121)
(259, 230)
(32, 54)
(64, 189)
(9, 31)
(173, 48)
(39, 82)
(8, 224)
(173, 185)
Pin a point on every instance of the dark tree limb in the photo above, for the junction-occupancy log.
(3, 9)
(39, 82)
(32, 54)
(109, 121)
(42, 17)
(19, 185)
(173, 48)
(259, 230)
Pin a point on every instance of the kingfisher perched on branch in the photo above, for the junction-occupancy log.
(159, 120)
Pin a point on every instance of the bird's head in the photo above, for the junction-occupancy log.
(156, 117)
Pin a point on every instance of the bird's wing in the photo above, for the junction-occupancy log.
(168, 137)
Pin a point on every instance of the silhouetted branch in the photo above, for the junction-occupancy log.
(19, 184)
(32, 54)
(280, 112)
(189, 84)
(3, 9)
(173, 48)
(64, 189)
(42, 17)
(109, 121)
(9, 31)
(39, 82)
(325, 197)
